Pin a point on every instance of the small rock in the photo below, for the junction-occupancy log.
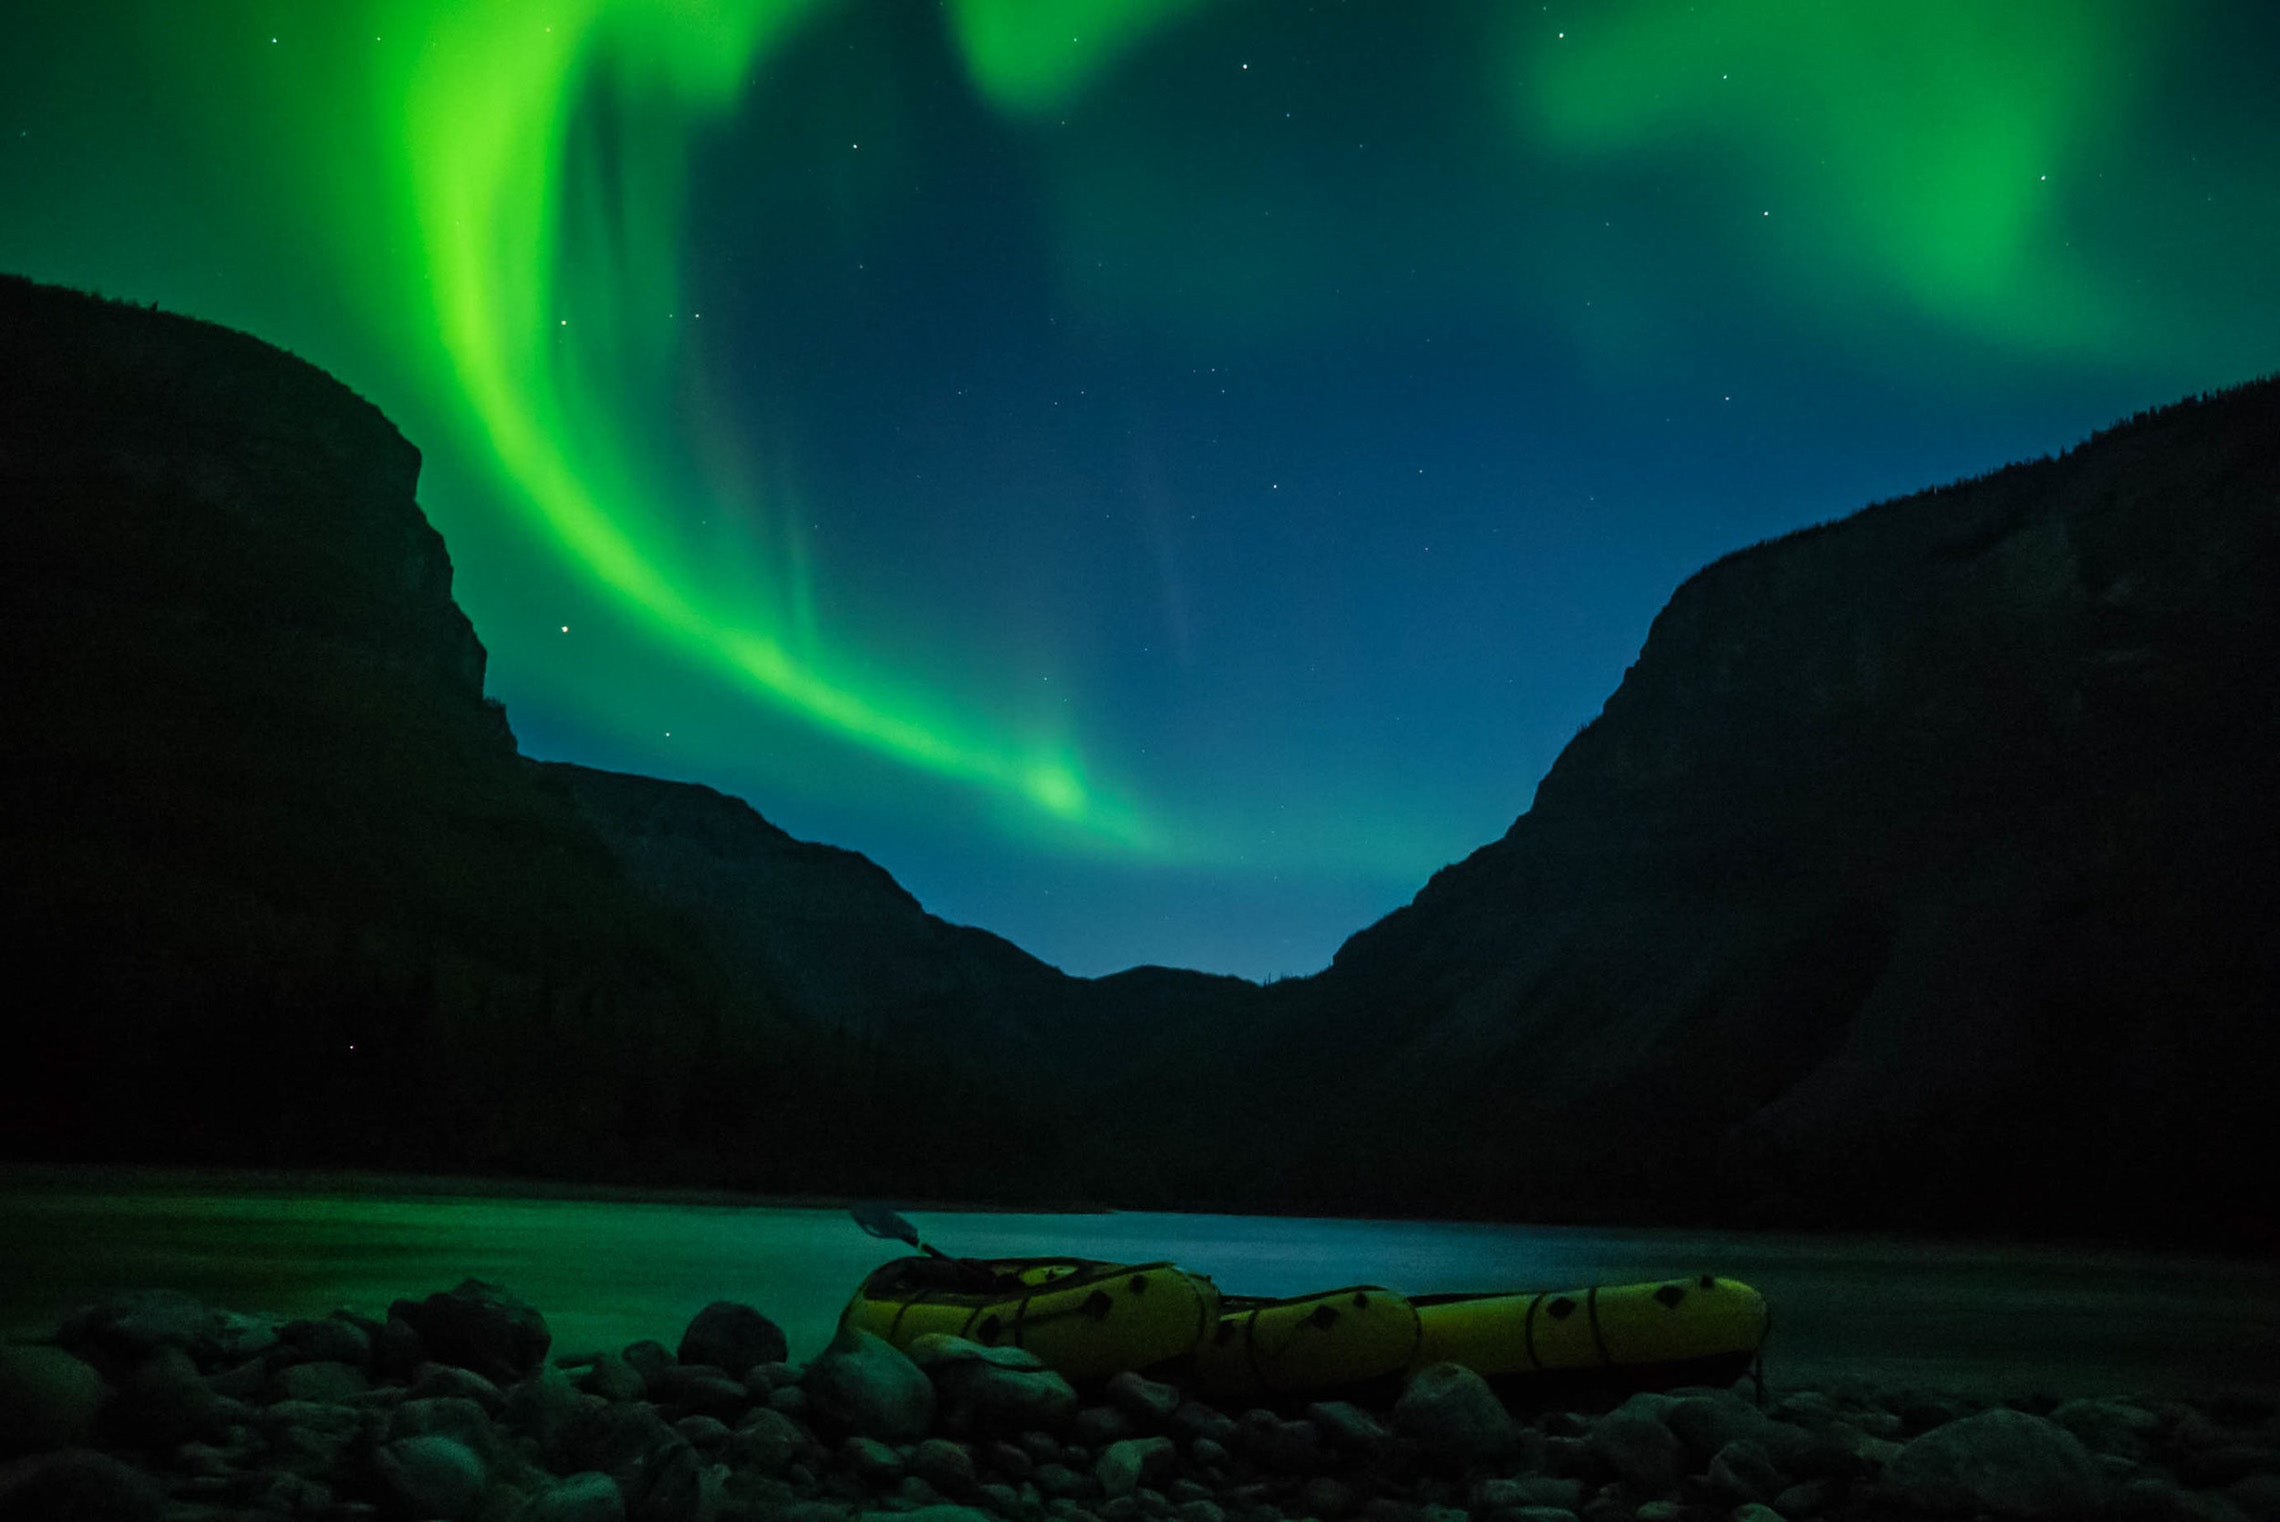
(944, 1513)
(2212, 1468)
(1124, 1464)
(947, 1466)
(1540, 1490)
(792, 1400)
(766, 1440)
(2110, 1426)
(2258, 1497)
(988, 1391)
(700, 1387)
(1011, 1460)
(78, 1483)
(1098, 1426)
(48, 1399)
(612, 1378)
(479, 1326)
(397, 1351)
(1643, 1453)
(441, 1381)
(327, 1339)
(1452, 1414)
(671, 1484)
(1061, 1480)
(733, 1337)
(706, 1434)
(1199, 1420)
(1208, 1453)
(761, 1378)
(1144, 1400)
(163, 1401)
(430, 1476)
(1754, 1511)
(323, 1382)
(878, 1464)
(868, 1386)
(2152, 1500)
(1808, 1499)
(2002, 1461)
(1326, 1497)
(542, 1407)
(648, 1355)
(1740, 1471)
(585, 1497)
(1199, 1511)
(1347, 1426)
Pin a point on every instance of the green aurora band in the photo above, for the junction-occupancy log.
(511, 256)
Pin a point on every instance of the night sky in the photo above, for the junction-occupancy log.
(1160, 478)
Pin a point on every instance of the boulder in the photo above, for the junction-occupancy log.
(479, 1326)
(866, 1385)
(732, 1337)
(988, 1391)
(1452, 1414)
(430, 1475)
(48, 1399)
(78, 1483)
(2000, 1461)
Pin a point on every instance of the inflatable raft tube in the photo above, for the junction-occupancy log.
(1707, 1327)
(1322, 1341)
(1085, 1319)
(1705, 1330)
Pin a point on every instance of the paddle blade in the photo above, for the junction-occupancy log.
(879, 1221)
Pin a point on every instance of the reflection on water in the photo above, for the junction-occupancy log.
(606, 1272)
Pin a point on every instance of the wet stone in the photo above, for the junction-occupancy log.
(1012, 1460)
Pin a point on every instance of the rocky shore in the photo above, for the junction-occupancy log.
(158, 1408)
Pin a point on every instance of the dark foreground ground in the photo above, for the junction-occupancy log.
(458, 1406)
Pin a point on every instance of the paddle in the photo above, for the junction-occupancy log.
(879, 1221)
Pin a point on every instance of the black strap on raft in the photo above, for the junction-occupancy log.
(1535, 1359)
(1591, 1309)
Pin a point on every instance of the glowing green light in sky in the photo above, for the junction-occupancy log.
(1034, 55)
(545, 363)
(1925, 154)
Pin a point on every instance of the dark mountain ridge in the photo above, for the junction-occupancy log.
(1920, 870)
(1918, 874)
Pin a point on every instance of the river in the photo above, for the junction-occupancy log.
(1989, 1319)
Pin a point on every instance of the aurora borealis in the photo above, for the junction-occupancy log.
(1160, 478)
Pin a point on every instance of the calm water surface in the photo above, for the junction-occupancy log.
(606, 1272)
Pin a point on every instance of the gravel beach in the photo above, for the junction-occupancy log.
(457, 1406)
